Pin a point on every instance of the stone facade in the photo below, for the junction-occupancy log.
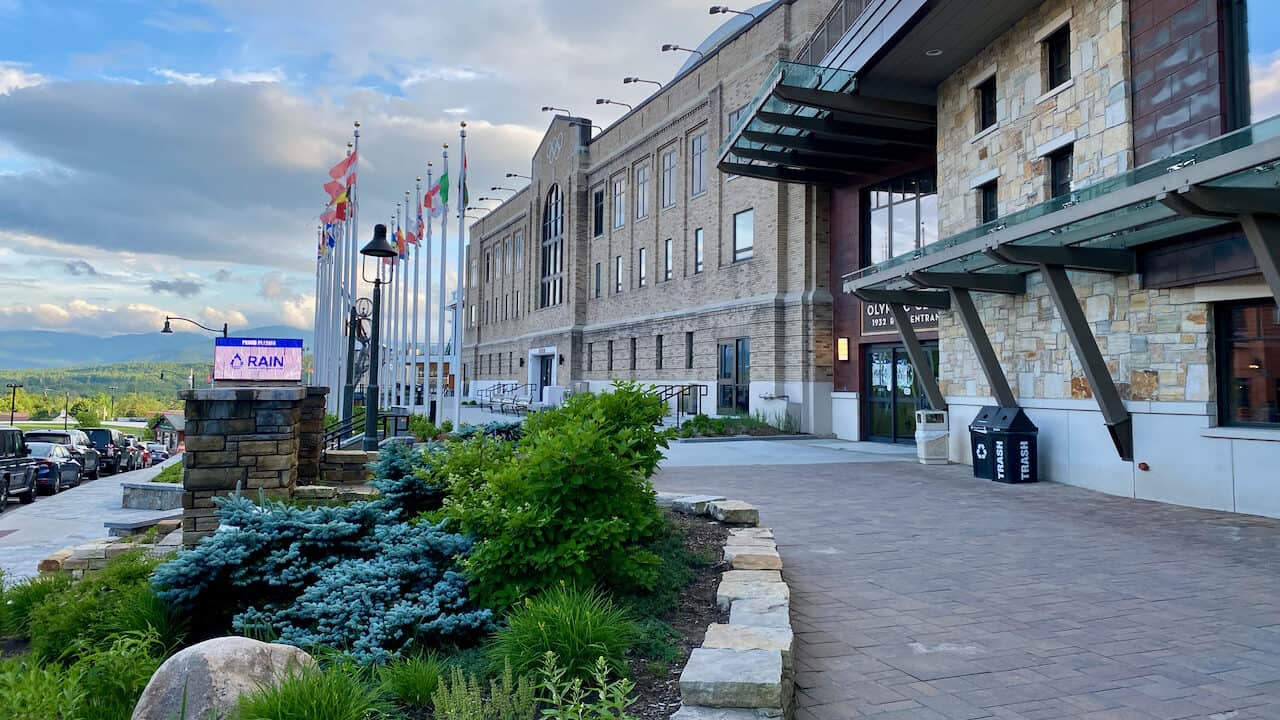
(242, 439)
(779, 297)
(1090, 110)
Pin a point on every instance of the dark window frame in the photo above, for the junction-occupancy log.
(1057, 55)
(744, 253)
(670, 161)
(1061, 168)
(551, 274)
(657, 352)
(919, 185)
(597, 213)
(1224, 344)
(988, 202)
(698, 164)
(633, 353)
(609, 359)
(598, 280)
(688, 350)
(986, 103)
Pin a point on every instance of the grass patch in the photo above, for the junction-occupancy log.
(171, 474)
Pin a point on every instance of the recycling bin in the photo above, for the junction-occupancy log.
(1013, 447)
(932, 438)
(980, 442)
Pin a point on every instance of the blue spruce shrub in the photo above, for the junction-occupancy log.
(405, 477)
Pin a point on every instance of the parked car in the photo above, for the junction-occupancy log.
(116, 455)
(55, 468)
(159, 453)
(76, 441)
(17, 471)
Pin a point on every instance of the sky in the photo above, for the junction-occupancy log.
(167, 157)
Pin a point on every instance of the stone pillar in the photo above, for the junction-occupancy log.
(243, 439)
(311, 436)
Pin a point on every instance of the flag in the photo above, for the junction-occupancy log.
(422, 227)
(334, 188)
(331, 234)
(466, 198)
(410, 238)
(436, 198)
(329, 216)
(400, 244)
(339, 199)
(343, 167)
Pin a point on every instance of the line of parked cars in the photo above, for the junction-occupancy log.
(49, 461)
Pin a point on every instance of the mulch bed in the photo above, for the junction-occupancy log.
(659, 695)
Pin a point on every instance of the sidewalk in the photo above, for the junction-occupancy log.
(30, 533)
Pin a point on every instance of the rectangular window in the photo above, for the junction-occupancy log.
(743, 235)
(642, 272)
(988, 203)
(1249, 363)
(657, 352)
(1061, 168)
(590, 355)
(473, 314)
(597, 279)
(597, 213)
(698, 164)
(633, 353)
(506, 268)
(488, 266)
(734, 117)
(669, 178)
(668, 262)
(642, 191)
(1057, 53)
(688, 350)
(619, 202)
(515, 305)
(987, 103)
(697, 251)
(519, 251)
(617, 274)
(609, 357)
(899, 216)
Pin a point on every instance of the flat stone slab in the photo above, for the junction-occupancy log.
(729, 593)
(668, 499)
(750, 637)
(717, 677)
(694, 504)
(761, 612)
(752, 558)
(315, 492)
(751, 576)
(698, 712)
(734, 512)
(758, 533)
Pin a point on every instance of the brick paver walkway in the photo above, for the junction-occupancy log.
(920, 592)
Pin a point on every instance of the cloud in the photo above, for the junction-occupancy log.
(179, 287)
(183, 78)
(299, 311)
(441, 73)
(81, 316)
(455, 111)
(1264, 85)
(173, 22)
(80, 267)
(223, 275)
(272, 286)
(233, 318)
(15, 76)
(274, 75)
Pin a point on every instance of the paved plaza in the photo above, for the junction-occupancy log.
(919, 592)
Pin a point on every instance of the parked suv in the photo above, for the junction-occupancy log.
(75, 441)
(17, 469)
(114, 452)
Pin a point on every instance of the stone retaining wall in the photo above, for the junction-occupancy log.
(346, 467)
(744, 669)
(80, 560)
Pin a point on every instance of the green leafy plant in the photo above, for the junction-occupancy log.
(461, 697)
(21, 598)
(171, 474)
(577, 625)
(411, 681)
(422, 427)
(331, 693)
(30, 691)
(115, 674)
(674, 572)
(571, 698)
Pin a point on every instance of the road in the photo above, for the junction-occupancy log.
(30, 533)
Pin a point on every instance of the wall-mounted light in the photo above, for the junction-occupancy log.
(561, 359)
(521, 362)
(842, 349)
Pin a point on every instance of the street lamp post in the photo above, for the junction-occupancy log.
(607, 101)
(66, 409)
(169, 331)
(13, 398)
(111, 411)
(360, 311)
(378, 248)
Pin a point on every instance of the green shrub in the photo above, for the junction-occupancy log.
(579, 626)
(171, 474)
(113, 678)
(332, 693)
(460, 697)
(411, 681)
(29, 691)
(674, 573)
(656, 641)
(117, 599)
(21, 598)
(573, 506)
(422, 427)
(571, 698)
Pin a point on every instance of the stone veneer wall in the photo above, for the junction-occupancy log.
(1156, 342)
(311, 435)
(1092, 111)
(244, 439)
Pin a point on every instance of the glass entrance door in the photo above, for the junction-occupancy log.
(892, 393)
(733, 377)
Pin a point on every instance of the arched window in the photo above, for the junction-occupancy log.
(552, 261)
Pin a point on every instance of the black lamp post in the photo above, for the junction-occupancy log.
(66, 408)
(361, 310)
(13, 398)
(169, 331)
(378, 249)
(112, 407)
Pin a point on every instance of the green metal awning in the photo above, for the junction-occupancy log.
(809, 124)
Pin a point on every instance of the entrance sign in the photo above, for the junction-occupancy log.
(257, 359)
(877, 320)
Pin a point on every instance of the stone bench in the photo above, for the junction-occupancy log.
(151, 495)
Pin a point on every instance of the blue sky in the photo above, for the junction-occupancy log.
(166, 156)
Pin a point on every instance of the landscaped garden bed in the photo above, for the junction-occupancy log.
(499, 573)
(703, 426)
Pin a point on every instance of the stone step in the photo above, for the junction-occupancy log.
(761, 612)
(761, 533)
(748, 637)
(719, 677)
(751, 576)
(731, 592)
(749, 557)
(734, 512)
(698, 712)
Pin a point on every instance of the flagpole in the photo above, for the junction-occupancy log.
(412, 370)
(425, 238)
(444, 236)
(319, 284)
(403, 372)
(351, 239)
(395, 315)
(458, 308)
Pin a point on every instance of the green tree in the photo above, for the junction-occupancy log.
(87, 418)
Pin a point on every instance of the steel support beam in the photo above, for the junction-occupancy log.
(814, 161)
(919, 361)
(836, 148)
(962, 301)
(1114, 413)
(853, 132)
(1116, 262)
(936, 300)
(1263, 233)
(1256, 209)
(791, 175)
(858, 104)
(1003, 283)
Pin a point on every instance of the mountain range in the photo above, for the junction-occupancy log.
(39, 349)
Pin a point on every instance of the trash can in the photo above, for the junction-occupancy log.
(932, 438)
(980, 441)
(1013, 447)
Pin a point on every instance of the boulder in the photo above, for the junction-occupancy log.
(761, 612)
(734, 512)
(731, 592)
(747, 637)
(694, 504)
(698, 712)
(751, 557)
(716, 677)
(213, 675)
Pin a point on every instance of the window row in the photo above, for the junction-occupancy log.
(659, 353)
(498, 309)
(668, 161)
(1055, 52)
(505, 257)
(743, 249)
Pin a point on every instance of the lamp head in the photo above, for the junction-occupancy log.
(547, 108)
(668, 47)
(378, 247)
(166, 330)
(718, 9)
(628, 80)
(601, 101)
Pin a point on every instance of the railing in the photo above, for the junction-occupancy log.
(688, 398)
(830, 30)
(484, 396)
(336, 433)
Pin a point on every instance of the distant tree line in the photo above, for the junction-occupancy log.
(142, 389)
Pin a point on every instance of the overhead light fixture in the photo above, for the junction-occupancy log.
(935, 52)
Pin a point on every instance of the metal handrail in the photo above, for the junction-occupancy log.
(830, 30)
(338, 432)
(681, 393)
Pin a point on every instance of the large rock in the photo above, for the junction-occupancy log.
(716, 677)
(694, 504)
(213, 675)
(752, 557)
(747, 637)
(734, 512)
(761, 612)
(698, 712)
